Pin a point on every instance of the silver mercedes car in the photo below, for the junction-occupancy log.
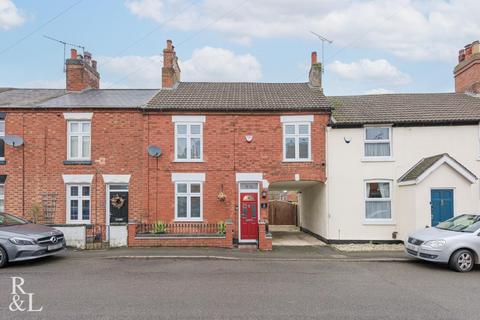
(455, 241)
(21, 240)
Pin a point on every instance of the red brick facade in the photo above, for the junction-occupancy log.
(119, 142)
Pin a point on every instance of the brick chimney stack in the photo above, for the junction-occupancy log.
(170, 70)
(81, 72)
(315, 75)
(467, 71)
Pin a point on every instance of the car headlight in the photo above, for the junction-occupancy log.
(435, 244)
(22, 241)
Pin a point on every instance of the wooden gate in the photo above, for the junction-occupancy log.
(282, 213)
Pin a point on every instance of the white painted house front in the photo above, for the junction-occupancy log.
(349, 213)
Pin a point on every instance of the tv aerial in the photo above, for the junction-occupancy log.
(65, 44)
(14, 141)
(154, 151)
(323, 39)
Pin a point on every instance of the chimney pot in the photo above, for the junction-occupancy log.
(314, 57)
(94, 64)
(73, 53)
(169, 45)
(467, 71)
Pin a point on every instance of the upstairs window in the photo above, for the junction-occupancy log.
(296, 141)
(188, 138)
(378, 201)
(2, 143)
(378, 142)
(79, 140)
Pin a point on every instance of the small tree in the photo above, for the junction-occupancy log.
(35, 212)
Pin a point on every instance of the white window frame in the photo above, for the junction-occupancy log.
(80, 136)
(188, 137)
(2, 197)
(188, 194)
(81, 197)
(389, 141)
(366, 198)
(2, 134)
(297, 137)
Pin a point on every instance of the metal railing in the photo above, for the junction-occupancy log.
(179, 229)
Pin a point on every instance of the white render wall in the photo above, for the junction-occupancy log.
(74, 236)
(347, 172)
(313, 209)
(118, 236)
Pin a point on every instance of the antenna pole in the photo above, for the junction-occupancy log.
(323, 39)
(65, 44)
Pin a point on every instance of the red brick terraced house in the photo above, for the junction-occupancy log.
(190, 164)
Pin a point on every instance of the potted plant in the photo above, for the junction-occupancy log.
(221, 227)
(159, 227)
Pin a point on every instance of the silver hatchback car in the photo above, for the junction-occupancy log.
(455, 241)
(21, 240)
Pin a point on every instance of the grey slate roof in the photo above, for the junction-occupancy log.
(102, 98)
(27, 97)
(411, 108)
(224, 96)
(423, 165)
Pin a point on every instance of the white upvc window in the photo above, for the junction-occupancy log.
(188, 201)
(78, 203)
(78, 140)
(378, 201)
(2, 143)
(189, 141)
(378, 143)
(2, 197)
(297, 145)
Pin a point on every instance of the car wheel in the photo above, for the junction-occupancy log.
(3, 257)
(462, 261)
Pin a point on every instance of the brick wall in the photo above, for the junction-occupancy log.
(119, 143)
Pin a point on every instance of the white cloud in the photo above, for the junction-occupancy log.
(131, 71)
(373, 71)
(49, 84)
(217, 64)
(378, 91)
(411, 29)
(10, 16)
(206, 64)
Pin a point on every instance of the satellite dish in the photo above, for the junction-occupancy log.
(154, 151)
(14, 141)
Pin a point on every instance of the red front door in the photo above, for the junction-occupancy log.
(248, 216)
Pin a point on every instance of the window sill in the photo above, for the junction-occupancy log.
(188, 161)
(378, 159)
(77, 162)
(296, 161)
(3, 162)
(379, 223)
(187, 220)
(78, 223)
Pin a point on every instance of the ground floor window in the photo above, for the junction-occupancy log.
(2, 197)
(78, 203)
(378, 201)
(188, 201)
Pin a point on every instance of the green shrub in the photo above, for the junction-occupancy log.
(221, 227)
(159, 227)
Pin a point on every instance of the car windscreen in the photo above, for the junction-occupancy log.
(9, 220)
(463, 223)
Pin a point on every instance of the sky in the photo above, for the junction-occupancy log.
(379, 46)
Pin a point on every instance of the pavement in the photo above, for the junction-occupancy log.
(89, 285)
(288, 253)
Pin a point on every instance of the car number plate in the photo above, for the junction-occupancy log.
(412, 247)
(55, 246)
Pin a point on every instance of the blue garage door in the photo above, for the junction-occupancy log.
(442, 205)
